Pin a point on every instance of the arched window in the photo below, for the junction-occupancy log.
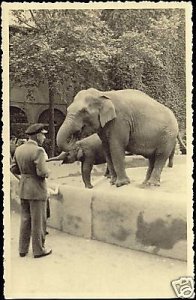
(58, 117)
(17, 115)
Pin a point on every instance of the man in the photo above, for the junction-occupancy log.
(29, 162)
(12, 146)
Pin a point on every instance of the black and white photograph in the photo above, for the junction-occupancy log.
(97, 150)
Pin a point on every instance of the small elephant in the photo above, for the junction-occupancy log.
(125, 120)
(89, 151)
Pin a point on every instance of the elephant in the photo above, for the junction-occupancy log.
(125, 120)
(182, 149)
(90, 152)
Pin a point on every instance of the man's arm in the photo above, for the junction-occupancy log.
(40, 162)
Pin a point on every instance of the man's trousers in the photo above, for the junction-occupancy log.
(33, 223)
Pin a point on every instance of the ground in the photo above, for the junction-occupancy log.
(81, 268)
(70, 174)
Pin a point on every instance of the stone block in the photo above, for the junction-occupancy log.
(56, 209)
(72, 212)
(155, 223)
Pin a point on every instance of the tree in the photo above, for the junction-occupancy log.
(54, 46)
(169, 33)
(150, 54)
(104, 49)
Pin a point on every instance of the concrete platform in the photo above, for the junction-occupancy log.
(153, 220)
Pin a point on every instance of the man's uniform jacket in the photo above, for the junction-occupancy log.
(30, 161)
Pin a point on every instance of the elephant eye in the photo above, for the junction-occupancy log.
(84, 110)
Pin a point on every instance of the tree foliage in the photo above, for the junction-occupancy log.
(105, 49)
(55, 43)
(55, 46)
(151, 54)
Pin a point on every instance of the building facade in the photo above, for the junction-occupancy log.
(32, 106)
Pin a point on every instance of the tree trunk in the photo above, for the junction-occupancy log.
(137, 78)
(51, 120)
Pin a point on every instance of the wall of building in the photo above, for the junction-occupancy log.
(34, 102)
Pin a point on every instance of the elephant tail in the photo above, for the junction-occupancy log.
(181, 144)
(171, 158)
(182, 149)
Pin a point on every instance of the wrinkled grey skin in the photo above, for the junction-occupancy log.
(125, 120)
(182, 149)
(89, 151)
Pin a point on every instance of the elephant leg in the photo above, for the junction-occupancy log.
(118, 157)
(112, 172)
(86, 169)
(149, 170)
(110, 166)
(160, 161)
(107, 173)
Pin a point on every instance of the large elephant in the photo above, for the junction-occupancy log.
(89, 151)
(125, 120)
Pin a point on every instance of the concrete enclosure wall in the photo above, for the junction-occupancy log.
(152, 220)
(130, 221)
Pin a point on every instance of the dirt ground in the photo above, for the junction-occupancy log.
(172, 179)
(81, 268)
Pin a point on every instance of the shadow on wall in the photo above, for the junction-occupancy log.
(159, 233)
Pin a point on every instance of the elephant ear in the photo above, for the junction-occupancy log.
(107, 111)
(80, 154)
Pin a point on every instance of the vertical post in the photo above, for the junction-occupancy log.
(137, 78)
(51, 119)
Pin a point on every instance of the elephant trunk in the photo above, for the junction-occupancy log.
(65, 140)
(61, 156)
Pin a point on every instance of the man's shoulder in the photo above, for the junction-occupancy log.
(20, 148)
(40, 150)
(35, 148)
(30, 149)
(40, 153)
(26, 147)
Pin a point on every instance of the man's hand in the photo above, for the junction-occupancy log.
(53, 189)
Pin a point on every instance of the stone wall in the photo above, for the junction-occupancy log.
(152, 219)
